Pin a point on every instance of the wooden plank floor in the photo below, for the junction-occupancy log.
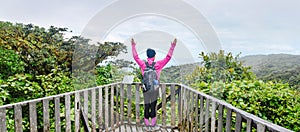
(135, 128)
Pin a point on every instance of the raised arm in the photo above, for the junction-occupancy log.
(140, 62)
(164, 61)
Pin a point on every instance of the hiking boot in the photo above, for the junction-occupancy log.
(146, 122)
(153, 121)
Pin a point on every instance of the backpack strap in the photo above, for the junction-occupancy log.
(152, 66)
(153, 63)
(147, 64)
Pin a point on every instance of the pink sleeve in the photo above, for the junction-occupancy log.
(160, 64)
(140, 62)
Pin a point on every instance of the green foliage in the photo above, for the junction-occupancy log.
(138, 75)
(42, 50)
(104, 75)
(56, 82)
(4, 94)
(46, 56)
(219, 67)
(10, 63)
(88, 55)
(121, 63)
(109, 49)
(123, 68)
(223, 76)
(115, 72)
(272, 101)
(39, 49)
(21, 87)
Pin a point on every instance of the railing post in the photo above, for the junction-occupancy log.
(179, 105)
(195, 114)
(238, 122)
(197, 111)
(117, 105)
(137, 104)
(122, 104)
(187, 94)
(57, 114)
(86, 102)
(228, 119)
(77, 112)
(184, 117)
(46, 115)
(112, 107)
(18, 118)
(33, 117)
(173, 111)
(106, 109)
(163, 90)
(249, 125)
(207, 112)
(93, 105)
(3, 120)
(129, 103)
(68, 113)
(193, 118)
(100, 108)
(188, 107)
(261, 127)
(201, 113)
(213, 116)
(220, 118)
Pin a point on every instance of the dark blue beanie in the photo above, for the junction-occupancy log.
(150, 53)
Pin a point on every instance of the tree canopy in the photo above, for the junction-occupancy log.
(39, 60)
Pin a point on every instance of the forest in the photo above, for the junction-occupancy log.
(37, 62)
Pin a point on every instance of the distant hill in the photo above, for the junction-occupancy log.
(174, 74)
(283, 67)
(280, 67)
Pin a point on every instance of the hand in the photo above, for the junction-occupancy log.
(175, 41)
(132, 42)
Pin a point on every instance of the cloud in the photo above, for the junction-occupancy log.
(154, 23)
(66, 13)
(268, 22)
(240, 25)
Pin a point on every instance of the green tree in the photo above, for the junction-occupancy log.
(219, 67)
(10, 63)
(39, 49)
(223, 76)
(104, 75)
(43, 50)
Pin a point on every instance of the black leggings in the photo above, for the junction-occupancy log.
(150, 101)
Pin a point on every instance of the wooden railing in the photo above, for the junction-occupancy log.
(206, 113)
(106, 108)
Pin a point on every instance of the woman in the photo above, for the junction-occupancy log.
(150, 97)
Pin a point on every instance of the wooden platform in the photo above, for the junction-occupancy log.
(135, 128)
(111, 108)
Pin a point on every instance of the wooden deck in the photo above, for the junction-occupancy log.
(116, 107)
(142, 128)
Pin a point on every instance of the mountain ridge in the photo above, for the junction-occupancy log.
(280, 67)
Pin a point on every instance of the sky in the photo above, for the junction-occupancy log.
(250, 27)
